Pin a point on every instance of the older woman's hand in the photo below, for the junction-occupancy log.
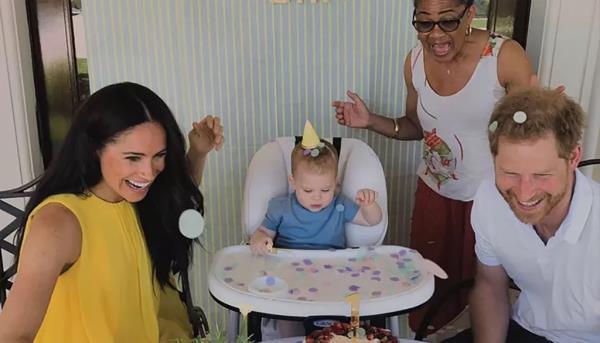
(352, 113)
(206, 135)
(534, 81)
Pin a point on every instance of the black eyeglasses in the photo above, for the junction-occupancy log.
(446, 25)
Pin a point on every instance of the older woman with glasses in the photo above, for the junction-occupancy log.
(454, 76)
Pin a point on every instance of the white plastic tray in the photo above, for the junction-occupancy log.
(388, 278)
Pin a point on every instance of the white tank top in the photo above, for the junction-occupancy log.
(456, 154)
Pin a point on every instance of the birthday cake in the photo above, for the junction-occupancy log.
(342, 332)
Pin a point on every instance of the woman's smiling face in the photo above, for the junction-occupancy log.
(131, 162)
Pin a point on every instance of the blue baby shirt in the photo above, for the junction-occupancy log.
(298, 228)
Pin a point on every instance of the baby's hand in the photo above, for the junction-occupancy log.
(366, 197)
(261, 245)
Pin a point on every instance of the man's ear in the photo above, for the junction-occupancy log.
(575, 157)
(291, 182)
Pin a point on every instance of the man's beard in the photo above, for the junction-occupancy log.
(545, 206)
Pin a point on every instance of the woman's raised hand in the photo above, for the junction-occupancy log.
(352, 113)
(206, 135)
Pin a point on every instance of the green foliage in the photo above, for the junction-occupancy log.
(482, 7)
(215, 336)
(244, 339)
(76, 4)
(82, 67)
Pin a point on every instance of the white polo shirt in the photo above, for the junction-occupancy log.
(559, 281)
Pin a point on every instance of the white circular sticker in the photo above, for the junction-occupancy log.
(520, 117)
(191, 224)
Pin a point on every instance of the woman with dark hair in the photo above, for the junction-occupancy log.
(454, 76)
(101, 241)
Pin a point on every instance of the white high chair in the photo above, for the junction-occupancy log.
(267, 177)
(358, 167)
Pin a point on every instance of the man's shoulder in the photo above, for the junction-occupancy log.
(588, 188)
(587, 185)
(489, 207)
(487, 192)
(594, 185)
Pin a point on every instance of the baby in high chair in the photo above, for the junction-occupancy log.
(313, 215)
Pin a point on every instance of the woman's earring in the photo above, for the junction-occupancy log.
(469, 30)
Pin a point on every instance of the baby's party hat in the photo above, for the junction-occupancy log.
(310, 139)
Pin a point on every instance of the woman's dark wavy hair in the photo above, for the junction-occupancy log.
(460, 2)
(105, 115)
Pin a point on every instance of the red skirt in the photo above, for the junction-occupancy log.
(441, 231)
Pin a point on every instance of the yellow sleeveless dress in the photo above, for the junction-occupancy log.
(109, 294)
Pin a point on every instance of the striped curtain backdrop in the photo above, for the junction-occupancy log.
(265, 69)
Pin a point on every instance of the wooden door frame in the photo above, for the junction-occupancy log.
(520, 10)
(55, 70)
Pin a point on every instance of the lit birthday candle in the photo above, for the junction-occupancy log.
(354, 301)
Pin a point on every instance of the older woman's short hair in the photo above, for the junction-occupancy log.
(458, 2)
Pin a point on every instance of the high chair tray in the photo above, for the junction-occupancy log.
(300, 283)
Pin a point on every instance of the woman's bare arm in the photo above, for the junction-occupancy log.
(52, 245)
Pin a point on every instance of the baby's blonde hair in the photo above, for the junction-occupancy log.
(326, 161)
